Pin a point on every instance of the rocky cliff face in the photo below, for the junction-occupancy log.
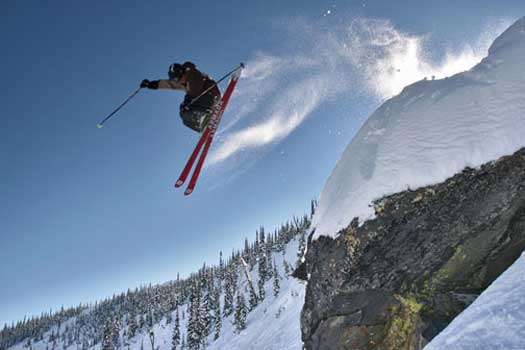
(395, 281)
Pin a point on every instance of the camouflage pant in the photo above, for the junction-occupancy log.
(193, 115)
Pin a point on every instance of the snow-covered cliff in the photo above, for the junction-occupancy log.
(429, 132)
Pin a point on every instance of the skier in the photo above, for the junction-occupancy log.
(187, 77)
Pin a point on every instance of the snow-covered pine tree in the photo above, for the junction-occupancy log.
(193, 330)
(217, 314)
(240, 312)
(262, 266)
(276, 278)
(169, 318)
(149, 319)
(302, 247)
(132, 323)
(287, 269)
(254, 300)
(142, 321)
(235, 275)
(229, 290)
(221, 266)
(175, 339)
(107, 338)
(205, 319)
(256, 243)
(115, 333)
(269, 270)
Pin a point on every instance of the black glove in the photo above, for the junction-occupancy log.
(154, 84)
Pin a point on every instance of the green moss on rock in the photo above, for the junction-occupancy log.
(404, 322)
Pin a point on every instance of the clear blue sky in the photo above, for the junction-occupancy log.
(88, 212)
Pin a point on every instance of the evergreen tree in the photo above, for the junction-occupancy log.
(240, 312)
(254, 300)
(269, 270)
(247, 251)
(217, 314)
(262, 265)
(229, 290)
(205, 317)
(175, 339)
(132, 323)
(221, 266)
(107, 338)
(276, 278)
(142, 321)
(194, 331)
(287, 268)
(262, 277)
(149, 319)
(115, 334)
(302, 247)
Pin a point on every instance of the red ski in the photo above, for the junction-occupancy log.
(207, 137)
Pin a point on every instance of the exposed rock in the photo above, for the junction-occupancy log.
(396, 281)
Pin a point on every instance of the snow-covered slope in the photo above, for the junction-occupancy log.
(273, 324)
(496, 319)
(430, 132)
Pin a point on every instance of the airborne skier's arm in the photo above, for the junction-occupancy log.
(188, 79)
(162, 84)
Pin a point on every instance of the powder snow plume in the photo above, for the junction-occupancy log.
(325, 61)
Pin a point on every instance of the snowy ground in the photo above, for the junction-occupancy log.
(274, 324)
(496, 319)
(429, 132)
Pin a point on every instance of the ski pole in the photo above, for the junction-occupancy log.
(241, 65)
(101, 124)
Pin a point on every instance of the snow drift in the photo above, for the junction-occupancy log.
(429, 132)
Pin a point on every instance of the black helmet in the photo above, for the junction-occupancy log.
(175, 72)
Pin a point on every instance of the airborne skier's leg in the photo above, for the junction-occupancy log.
(192, 119)
(197, 115)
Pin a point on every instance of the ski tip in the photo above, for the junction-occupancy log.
(188, 191)
(99, 126)
(242, 65)
(179, 183)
